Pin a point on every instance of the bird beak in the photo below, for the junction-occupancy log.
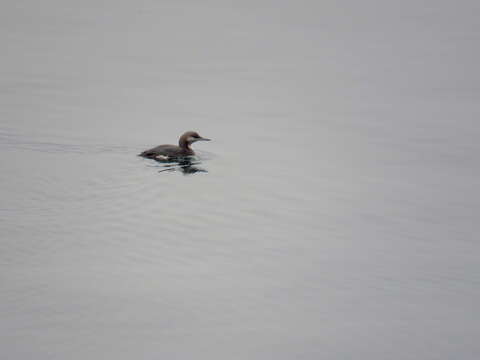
(203, 139)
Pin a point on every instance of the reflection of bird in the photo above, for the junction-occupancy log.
(186, 167)
(169, 152)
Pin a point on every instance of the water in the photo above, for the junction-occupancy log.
(337, 216)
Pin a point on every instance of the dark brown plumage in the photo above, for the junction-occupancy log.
(169, 152)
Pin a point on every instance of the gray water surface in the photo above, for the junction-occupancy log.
(338, 214)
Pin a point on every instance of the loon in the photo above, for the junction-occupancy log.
(169, 152)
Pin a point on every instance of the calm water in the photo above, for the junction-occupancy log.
(338, 214)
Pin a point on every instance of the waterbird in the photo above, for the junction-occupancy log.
(171, 152)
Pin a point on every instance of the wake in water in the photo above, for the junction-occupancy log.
(51, 143)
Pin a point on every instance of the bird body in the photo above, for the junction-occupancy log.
(171, 152)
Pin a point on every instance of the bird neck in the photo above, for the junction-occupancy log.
(184, 144)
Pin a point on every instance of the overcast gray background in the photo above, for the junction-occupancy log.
(339, 216)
